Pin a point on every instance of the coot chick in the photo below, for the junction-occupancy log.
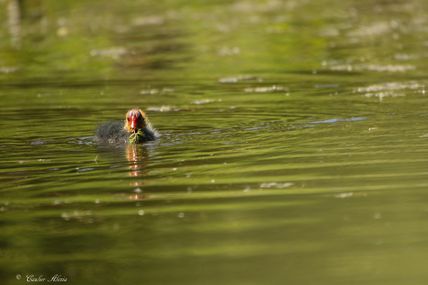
(137, 129)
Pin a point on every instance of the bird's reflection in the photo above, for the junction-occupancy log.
(137, 156)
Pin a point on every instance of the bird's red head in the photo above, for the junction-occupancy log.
(135, 120)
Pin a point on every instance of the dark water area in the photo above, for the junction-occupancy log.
(293, 149)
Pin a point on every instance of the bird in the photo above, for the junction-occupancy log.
(136, 129)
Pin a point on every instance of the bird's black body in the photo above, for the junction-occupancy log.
(135, 129)
(114, 133)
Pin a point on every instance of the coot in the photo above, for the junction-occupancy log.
(136, 129)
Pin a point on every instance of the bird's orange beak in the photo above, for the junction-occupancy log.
(133, 123)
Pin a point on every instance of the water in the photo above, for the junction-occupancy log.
(293, 149)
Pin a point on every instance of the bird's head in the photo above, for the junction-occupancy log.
(135, 120)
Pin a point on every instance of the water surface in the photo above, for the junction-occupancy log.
(294, 144)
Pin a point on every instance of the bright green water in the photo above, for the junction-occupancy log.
(294, 143)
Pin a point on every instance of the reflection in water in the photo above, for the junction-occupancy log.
(137, 157)
(136, 163)
(14, 21)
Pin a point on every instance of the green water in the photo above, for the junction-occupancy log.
(294, 144)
